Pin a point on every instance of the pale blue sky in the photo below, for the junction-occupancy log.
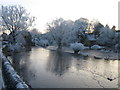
(106, 11)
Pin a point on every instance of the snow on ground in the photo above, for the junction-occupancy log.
(105, 54)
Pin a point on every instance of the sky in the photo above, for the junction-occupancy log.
(106, 11)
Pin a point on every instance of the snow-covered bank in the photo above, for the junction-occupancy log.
(103, 54)
(97, 54)
(11, 78)
(65, 49)
(16, 41)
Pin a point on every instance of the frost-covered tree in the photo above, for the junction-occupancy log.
(60, 30)
(15, 18)
(81, 26)
(36, 35)
(64, 32)
(97, 28)
(106, 37)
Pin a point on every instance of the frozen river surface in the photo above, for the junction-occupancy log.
(43, 68)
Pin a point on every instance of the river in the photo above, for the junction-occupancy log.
(43, 68)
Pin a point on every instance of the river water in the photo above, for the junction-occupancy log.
(43, 68)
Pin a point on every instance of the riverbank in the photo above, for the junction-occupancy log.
(97, 54)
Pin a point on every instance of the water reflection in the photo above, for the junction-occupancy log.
(59, 62)
(20, 62)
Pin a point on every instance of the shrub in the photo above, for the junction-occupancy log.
(77, 47)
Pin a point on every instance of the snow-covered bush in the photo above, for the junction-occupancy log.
(17, 47)
(23, 37)
(41, 42)
(96, 47)
(18, 41)
(77, 47)
(13, 48)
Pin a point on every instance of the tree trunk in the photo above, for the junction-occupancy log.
(76, 52)
(59, 45)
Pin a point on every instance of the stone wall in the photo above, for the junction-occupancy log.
(10, 76)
